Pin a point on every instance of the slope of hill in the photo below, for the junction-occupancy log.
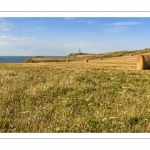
(82, 56)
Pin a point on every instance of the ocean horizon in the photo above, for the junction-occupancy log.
(21, 59)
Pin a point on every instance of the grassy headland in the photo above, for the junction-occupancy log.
(82, 56)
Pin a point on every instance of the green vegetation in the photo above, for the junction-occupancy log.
(74, 97)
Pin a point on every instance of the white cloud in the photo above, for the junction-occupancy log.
(28, 45)
(3, 37)
(26, 37)
(91, 22)
(129, 23)
(115, 29)
(5, 25)
(4, 43)
(11, 38)
(119, 26)
(24, 29)
(8, 38)
(10, 42)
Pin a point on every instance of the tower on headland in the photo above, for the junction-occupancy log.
(79, 51)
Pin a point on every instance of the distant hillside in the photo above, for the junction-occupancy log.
(110, 54)
(82, 56)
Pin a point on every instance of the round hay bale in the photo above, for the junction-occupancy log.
(67, 60)
(131, 55)
(86, 60)
(143, 62)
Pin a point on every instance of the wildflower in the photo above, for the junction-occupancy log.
(112, 117)
(24, 112)
(104, 119)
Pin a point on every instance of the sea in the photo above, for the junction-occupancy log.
(21, 59)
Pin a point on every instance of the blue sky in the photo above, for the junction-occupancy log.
(61, 36)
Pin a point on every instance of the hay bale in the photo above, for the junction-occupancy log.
(86, 60)
(143, 62)
(131, 55)
(67, 60)
(101, 58)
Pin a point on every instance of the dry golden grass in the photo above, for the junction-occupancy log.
(99, 96)
(121, 63)
(80, 56)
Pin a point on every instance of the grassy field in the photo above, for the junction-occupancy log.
(101, 96)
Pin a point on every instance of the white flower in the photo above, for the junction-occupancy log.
(104, 119)
(24, 112)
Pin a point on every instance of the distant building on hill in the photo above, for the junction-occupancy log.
(79, 51)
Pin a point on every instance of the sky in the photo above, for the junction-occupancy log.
(60, 36)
